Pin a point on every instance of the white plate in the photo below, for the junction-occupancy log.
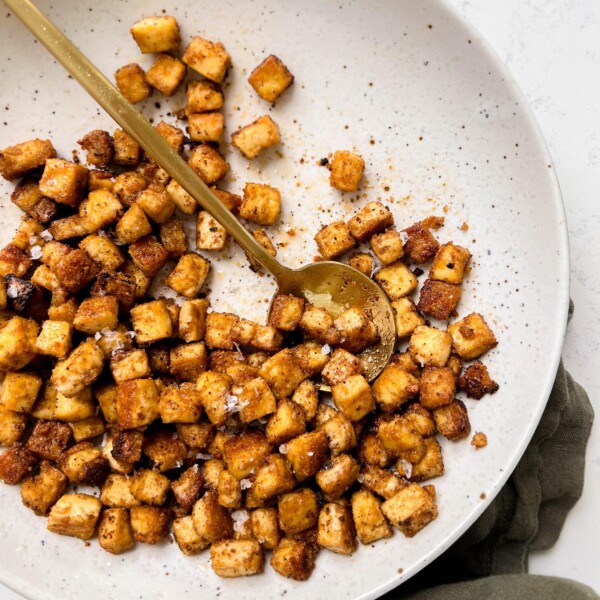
(441, 123)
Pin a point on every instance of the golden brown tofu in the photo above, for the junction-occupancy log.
(294, 559)
(131, 81)
(40, 492)
(286, 312)
(256, 137)
(397, 280)
(237, 558)
(336, 530)
(432, 463)
(156, 203)
(75, 270)
(211, 520)
(371, 524)
(99, 147)
(210, 235)
(334, 240)
(287, 422)
(387, 246)
(27, 197)
(208, 163)
(18, 160)
(342, 365)
(14, 261)
(271, 78)
(471, 337)
(103, 251)
(318, 324)
(188, 361)
(207, 58)
(150, 487)
(394, 387)
(337, 476)
(75, 515)
(184, 202)
(63, 181)
(449, 264)
(137, 403)
(164, 449)
(96, 314)
(129, 364)
(149, 524)
(298, 511)
(203, 96)
(341, 435)
(244, 453)
(430, 346)
(452, 420)
(186, 489)
(84, 463)
(180, 404)
(261, 204)
(439, 299)
(261, 236)
(346, 170)
(307, 397)
(165, 74)
(74, 408)
(380, 481)
(219, 330)
(148, 254)
(214, 389)
(206, 127)
(151, 322)
(229, 490)
(357, 330)
(476, 381)
(411, 509)
(421, 246)
(192, 320)
(437, 387)
(127, 154)
(400, 439)
(265, 527)
(306, 453)
(114, 531)
(20, 390)
(79, 370)
(12, 426)
(369, 220)
(157, 34)
(272, 478)
(48, 440)
(116, 492)
(16, 463)
(283, 373)
(363, 262)
(133, 225)
(372, 452)
(188, 540)
(256, 400)
(87, 429)
(353, 397)
(406, 316)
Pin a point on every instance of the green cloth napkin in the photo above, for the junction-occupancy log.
(490, 560)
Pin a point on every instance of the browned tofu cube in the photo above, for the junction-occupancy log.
(207, 58)
(17, 343)
(287, 422)
(16, 463)
(229, 490)
(369, 220)
(173, 238)
(256, 400)
(283, 373)
(75, 407)
(259, 135)
(180, 404)
(397, 280)
(353, 397)
(430, 346)
(164, 449)
(307, 397)
(188, 540)
(341, 367)
(346, 170)
(12, 426)
(387, 246)
(97, 313)
(406, 316)
(137, 403)
(274, 477)
(14, 261)
(156, 203)
(294, 558)
(210, 235)
(371, 524)
(372, 452)
(157, 34)
(203, 96)
(341, 435)
(421, 246)
(184, 202)
(63, 181)
(151, 322)
(165, 74)
(394, 387)
(271, 78)
(131, 81)
(337, 476)
(48, 440)
(27, 197)
(149, 524)
(420, 418)
(129, 364)
(244, 453)
(208, 163)
(99, 147)
(286, 312)
(101, 179)
(261, 204)
(187, 488)
(75, 515)
(192, 319)
(437, 387)
(380, 481)
(450, 263)
(18, 160)
(311, 356)
(197, 436)
(476, 381)
(261, 236)
(148, 254)
(306, 453)
(334, 240)
(471, 337)
(133, 225)
(140, 280)
(432, 463)
(237, 558)
(318, 324)
(439, 299)
(20, 390)
(411, 509)
(400, 439)
(452, 420)
(298, 511)
(211, 520)
(336, 529)
(127, 445)
(40, 492)
(127, 154)
(150, 487)
(362, 262)
(214, 389)
(265, 527)
(206, 127)
(188, 361)
(84, 463)
(218, 330)
(79, 370)
(103, 251)
(88, 428)
(114, 531)
(357, 330)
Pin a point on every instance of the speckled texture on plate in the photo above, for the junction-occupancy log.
(440, 123)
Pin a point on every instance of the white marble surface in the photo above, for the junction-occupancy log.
(552, 47)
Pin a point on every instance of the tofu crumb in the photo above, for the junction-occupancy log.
(479, 440)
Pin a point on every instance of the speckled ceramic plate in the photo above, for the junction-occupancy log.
(444, 130)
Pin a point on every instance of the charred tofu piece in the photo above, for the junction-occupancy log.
(187, 488)
(17, 343)
(430, 346)
(75, 515)
(336, 530)
(256, 137)
(450, 263)
(371, 524)
(23, 295)
(261, 204)
(346, 170)
(63, 181)
(298, 511)
(337, 476)
(48, 440)
(210, 59)
(353, 397)
(188, 540)
(476, 381)
(136, 403)
(271, 78)
(211, 520)
(369, 220)
(151, 322)
(306, 453)
(148, 254)
(432, 463)
(421, 246)
(452, 420)
(387, 246)
(16, 463)
(294, 558)
(208, 164)
(99, 147)
(84, 463)
(114, 531)
(237, 558)
(40, 492)
(206, 127)
(334, 240)
(286, 312)
(210, 235)
(149, 524)
(394, 387)
(189, 275)
(127, 445)
(79, 370)
(471, 337)
(13, 261)
(439, 299)
(165, 74)
(126, 153)
(27, 197)
(437, 387)
(397, 280)
(406, 316)
(203, 96)
(173, 238)
(131, 81)
(18, 160)
(283, 373)
(243, 454)
(116, 284)
(357, 330)
(411, 509)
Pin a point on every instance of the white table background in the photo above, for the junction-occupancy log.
(552, 47)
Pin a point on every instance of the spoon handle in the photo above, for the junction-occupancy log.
(137, 126)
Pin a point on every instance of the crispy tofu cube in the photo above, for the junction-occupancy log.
(214, 389)
(372, 452)
(99, 147)
(106, 396)
(133, 225)
(203, 96)
(114, 531)
(369, 220)
(27, 235)
(287, 422)
(149, 524)
(12, 426)
(471, 337)
(211, 470)
(219, 330)
(245, 453)
(432, 463)
(317, 323)
(420, 418)
(406, 316)
(430, 346)
(20, 390)
(261, 236)
(353, 397)
(165, 450)
(380, 481)
(298, 511)
(210, 59)
(307, 397)
(452, 420)
(140, 279)
(165, 74)
(75, 515)
(119, 285)
(184, 202)
(261, 204)
(256, 400)
(206, 127)
(136, 403)
(131, 81)
(17, 343)
(151, 322)
(116, 492)
(231, 201)
(45, 405)
(439, 299)
(48, 440)
(259, 135)
(450, 263)
(40, 492)
(126, 153)
(103, 251)
(306, 453)
(79, 370)
(208, 163)
(173, 238)
(16, 463)
(334, 240)
(186, 490)
(274, 477)
(18, 160)
(97, 313)
(180, 404)
(229, 490)
(371, 524)
(286, 312)
(283, 373)
(341, 435)
(437, 386)
(63, 181)
(27, 197)
(237, 558)
(74, 408)
(211, 520)
(336, 529)
(346, 170)
(150, 487)
(337, 476)
(400, 440)
(342, 366)
(271, 78)
(75, 270)
(411, 509)
(157, 34)
(394, 387)
(42, 277)
(210, 235)
(188, 540)
(362, 262)
(192, 319)
(84, 462)
(23, 295)
(311, 357)
(156, 202)
(387, 246)
(100, 179)
(127, 185)
(88, 428)
(14, 261)
(188, 361)
(294, 558)
(265, 527)
(357, 331)
(148, 254)
(476, 381)
(420, 246)
(129, 364)
(397, 280)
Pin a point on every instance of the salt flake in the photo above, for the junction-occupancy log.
(239, 519)
(245, 484)
(204, 456)
(325, 349)
(12, 291)
(46, 235)
(283, 449)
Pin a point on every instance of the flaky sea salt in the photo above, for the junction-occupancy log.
(46, 235)
(325, 349)
(233, 403)
(406, 467)
(11, 290)
(310, 453)
(33, 240)
(35, 252)
(239, 520)
(245, 484)
(283, 449)
(403, 237)
(204, 456)
(97, 335)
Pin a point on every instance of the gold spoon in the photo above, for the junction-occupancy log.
(330, 285)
